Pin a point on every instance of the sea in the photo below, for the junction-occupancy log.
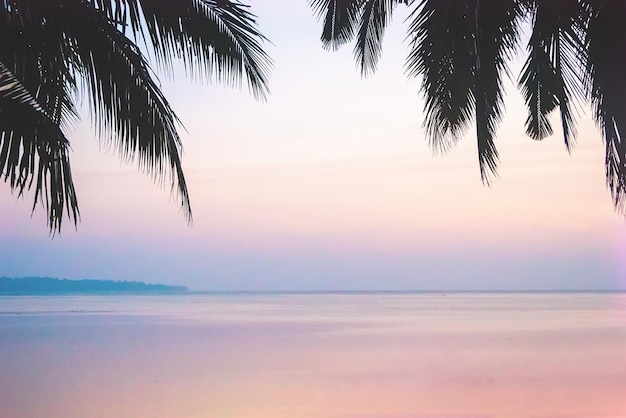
(314, 355)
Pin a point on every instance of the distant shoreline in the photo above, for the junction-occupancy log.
(43, 286)
(50, 286)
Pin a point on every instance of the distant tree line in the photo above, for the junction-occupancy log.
(42, 285)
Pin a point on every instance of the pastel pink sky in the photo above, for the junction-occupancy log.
(331, 185)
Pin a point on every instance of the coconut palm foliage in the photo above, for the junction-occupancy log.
(54, 54)
(576, 51)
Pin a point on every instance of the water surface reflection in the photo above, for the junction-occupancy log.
(314, 356)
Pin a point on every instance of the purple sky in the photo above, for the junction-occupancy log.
(331, 185)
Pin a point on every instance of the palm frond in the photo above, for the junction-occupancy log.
(496, 29)
(551, 74)
(606, 65)
(340, 20)
(441, 45)
(539, 101)
(37, 56)
(376, 15)
(59, 50)
(213, 38)
(460, 49)
(33, 147)
(127, 105)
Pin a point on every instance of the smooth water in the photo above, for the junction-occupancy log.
(314, 355)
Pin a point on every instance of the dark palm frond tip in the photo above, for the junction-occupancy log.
(496, 30)
(239, 41)
(443, 59)
(340, 20)
(459, 49)
(343, 20)
(213, 38)
(92, 50)
(551, 76)
(376, 16)
(34, 152)
(128, 108)
(605, 43)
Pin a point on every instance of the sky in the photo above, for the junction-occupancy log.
(331, 185)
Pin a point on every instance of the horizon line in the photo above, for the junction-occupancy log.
(392, 291)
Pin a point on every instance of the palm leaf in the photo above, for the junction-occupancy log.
(496, 29)
(605, 41)
(340, 20)
(460, 49)
(213, 38)
(127, 105)
(92, 45)
(33, 147)
(441, 53)
(376, 15)
(551, 74)
(36, 53)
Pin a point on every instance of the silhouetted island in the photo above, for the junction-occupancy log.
(51, 285)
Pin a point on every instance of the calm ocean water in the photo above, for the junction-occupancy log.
(314, 356)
